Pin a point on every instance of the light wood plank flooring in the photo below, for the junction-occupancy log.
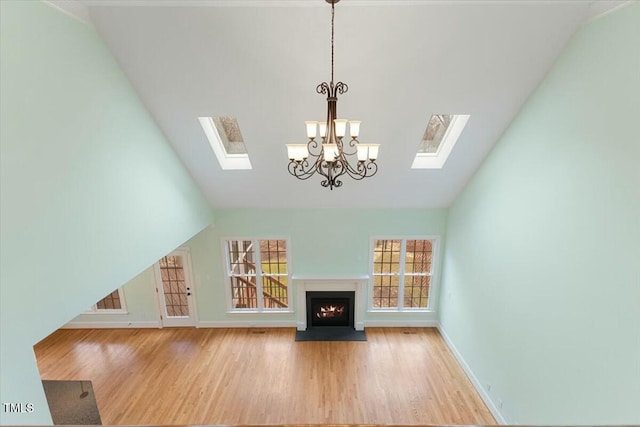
(262, 376)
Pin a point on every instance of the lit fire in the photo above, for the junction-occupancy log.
(330, 311)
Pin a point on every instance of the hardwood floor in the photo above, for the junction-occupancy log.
(262, 376)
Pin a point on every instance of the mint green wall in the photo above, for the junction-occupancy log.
(92, 193)
(140, 301)
(324, 243)
(541, 290)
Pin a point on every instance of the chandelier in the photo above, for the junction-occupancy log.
(332, 158)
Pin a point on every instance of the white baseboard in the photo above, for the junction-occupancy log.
(474, 380)
(247, 324)
(112, 325)
(387, 323)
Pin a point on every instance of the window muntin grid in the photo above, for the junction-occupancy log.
(242, 272)
(386, 269)
(418, 256)
(243, 289)
(248, 260)
(241, 258)
(113, 303)
(273, 257)
(110, 302)
(401, 273)
(416, 291)
(174, 286)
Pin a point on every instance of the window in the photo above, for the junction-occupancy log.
(257, 274)
(441, 134)
(401, 273)
(226, 141)
(112, 303)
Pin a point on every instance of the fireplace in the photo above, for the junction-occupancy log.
(354, 285)
(330, 308)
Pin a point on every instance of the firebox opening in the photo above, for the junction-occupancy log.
(330, 308)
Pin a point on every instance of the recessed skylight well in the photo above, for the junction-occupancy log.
(441, 134)
(225, 138)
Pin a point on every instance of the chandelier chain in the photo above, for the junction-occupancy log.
(333, 10)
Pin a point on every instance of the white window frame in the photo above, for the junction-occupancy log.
(436, 160)
(226, 160)
(258, 261)
(122, 310)
(435, 246)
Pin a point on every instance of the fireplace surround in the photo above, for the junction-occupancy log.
(355, 285)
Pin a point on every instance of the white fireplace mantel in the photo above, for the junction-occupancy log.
(355, 284)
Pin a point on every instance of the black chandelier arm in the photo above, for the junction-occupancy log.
(362, 170)
(353, 143)
(340, 88)
(301, 169)
(331, 89)
(314, 148)
(333, 171)
(353, 172)
(324, 89)
(331, 183)
(368, 169)
(296, 168)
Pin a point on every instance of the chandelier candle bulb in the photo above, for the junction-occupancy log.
(363, 152)
(330, 152)
(297, 152)
(354, 129)
(323, 129)
(373, 151)
(311, 129)
(341, 127)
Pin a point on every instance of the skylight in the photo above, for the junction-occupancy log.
(441, 134)
(226, 140)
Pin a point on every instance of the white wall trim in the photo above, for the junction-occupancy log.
(400, 323)
(247, 324)
(472, 377)
(113, 325)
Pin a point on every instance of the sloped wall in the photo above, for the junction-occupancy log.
(541, 291)
(92, 193)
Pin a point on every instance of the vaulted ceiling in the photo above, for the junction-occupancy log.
(260, 62)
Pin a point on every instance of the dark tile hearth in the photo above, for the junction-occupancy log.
(331, 333)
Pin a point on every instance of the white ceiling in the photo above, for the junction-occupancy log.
(260, 61)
